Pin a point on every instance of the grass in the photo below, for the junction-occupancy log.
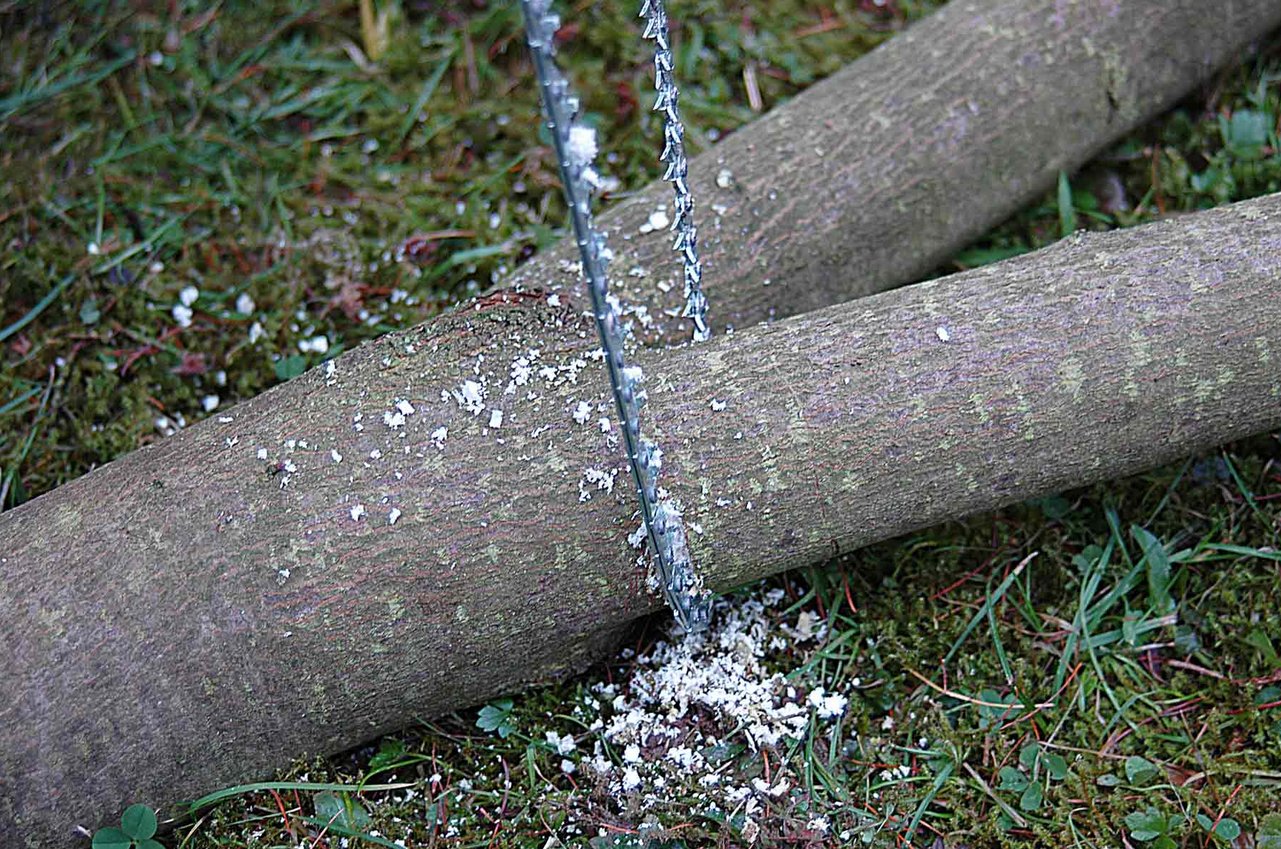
(1089, 669)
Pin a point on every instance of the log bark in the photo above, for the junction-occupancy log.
(182, 619)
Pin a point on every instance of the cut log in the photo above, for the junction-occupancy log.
(194, 614)
(184, 619)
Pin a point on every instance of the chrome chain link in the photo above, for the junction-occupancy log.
(575, 148)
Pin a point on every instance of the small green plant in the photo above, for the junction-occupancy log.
(1154, 828)
(497, 717)
(1140, 772)
(1225, 829)
(342, 810)
(137, 830)
(1026, 780)
(990, 715)
(1269, 836)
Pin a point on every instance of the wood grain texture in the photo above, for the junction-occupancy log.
(178, 621)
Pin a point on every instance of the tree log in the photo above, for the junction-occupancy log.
(185, 618)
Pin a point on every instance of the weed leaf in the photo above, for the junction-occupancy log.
(1226, 829)
(390, 752)
(111, 838)
(1149, 824)
(1269, 836)
(342, 810)
(496, 717)
(1012, 779)
(1259, 640)
(1158, 566)
(1031, 798)
(1140, 771)
(290, 367)
(139, 822)
(1246, 131)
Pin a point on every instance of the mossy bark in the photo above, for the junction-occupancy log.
(193, 615)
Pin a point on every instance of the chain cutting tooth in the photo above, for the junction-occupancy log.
(667, 102)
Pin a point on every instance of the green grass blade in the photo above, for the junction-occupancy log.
(428, 89)
(928, 799)
(10, 106)
(40, 307)
(9, 406)
(1067, 212)
(343, 831)
(241, 789)
(988, 604)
